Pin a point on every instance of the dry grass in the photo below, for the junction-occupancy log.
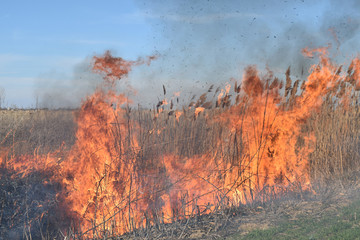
(335, 157)
(43, 131)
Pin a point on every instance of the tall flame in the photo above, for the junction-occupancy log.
(263, 150)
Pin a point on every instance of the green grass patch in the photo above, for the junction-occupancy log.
(344, 223)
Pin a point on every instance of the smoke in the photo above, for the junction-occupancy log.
(208, 42)
(343, 21)
(205, 42)
(2, 97)
(55, 90)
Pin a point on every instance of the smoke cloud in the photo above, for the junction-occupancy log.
(54, 90)
(209, 42)
(205, 42)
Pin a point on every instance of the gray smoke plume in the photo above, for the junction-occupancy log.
(54, 90)
(208, 42)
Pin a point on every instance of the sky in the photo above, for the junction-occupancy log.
(46, 46)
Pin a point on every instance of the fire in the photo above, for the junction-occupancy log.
(112, 187)
(101, 168)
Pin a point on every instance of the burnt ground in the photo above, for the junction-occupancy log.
(30, 206)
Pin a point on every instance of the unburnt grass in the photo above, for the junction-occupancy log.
(331, 216)
(29, 131)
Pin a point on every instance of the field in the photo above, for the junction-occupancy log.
(334, 218)
(259, 147)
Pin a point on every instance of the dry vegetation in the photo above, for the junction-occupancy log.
(337, 153)
(334, 161)
(40, 131)
(138, 139)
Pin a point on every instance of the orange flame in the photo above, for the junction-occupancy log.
(113, 190)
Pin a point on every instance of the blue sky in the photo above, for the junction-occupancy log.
(45, 46)
(51, 37)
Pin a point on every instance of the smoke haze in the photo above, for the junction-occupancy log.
(209, 42)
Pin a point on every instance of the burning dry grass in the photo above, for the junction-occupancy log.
(126, 170)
